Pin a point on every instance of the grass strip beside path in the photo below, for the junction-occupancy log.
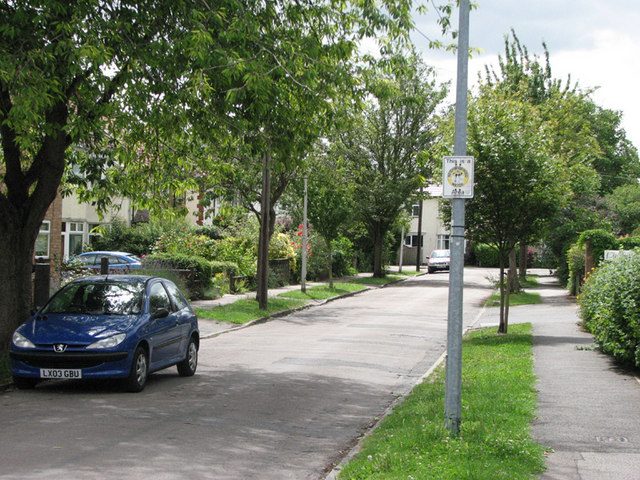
(515, 299)
(499, 401)
(323, 292)
(244, 311)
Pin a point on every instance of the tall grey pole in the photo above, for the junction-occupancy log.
(419, 254)
(456, 275)
(401, 249)
(303, 268)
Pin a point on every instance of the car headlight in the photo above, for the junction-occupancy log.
(109, 342)
(22, 341)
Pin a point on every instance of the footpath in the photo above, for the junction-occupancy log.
(588, 408)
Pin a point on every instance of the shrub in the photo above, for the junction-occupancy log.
(281, 246)
(486, 255)
(240, 251)
(342, 258)
(609, 307)
(601, 240)
(186, 243)
(199, 275)
(172, 275)
(629, 243)
(138, 239)
(575, 264)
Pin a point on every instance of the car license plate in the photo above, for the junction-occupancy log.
(62, 373)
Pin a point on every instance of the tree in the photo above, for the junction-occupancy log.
(68, 72)
(388, 148)
(519, 186)
(624, 205)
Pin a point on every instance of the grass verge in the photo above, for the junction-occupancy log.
(529, 282)
(377, 281)
(498, 393)
(322, 292)
(244, 311)
(515, 299)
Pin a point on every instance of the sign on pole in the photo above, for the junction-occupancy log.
(457, 178)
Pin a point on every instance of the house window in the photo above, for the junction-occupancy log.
(73, 238)
(443, 242)
(415, 210)
(43, 242)
(412, 240)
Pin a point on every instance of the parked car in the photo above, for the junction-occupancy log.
(115, 326)
(119, 262)
(438, 260)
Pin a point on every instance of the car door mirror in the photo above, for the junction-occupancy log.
(160, 313)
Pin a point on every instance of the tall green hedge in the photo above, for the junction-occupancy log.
(198, 271)
(610, 307)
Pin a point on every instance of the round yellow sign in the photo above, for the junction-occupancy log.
(458, 177)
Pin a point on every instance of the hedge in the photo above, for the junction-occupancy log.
(486, 255)
(228, 268)
(610, 308)
(198, 278)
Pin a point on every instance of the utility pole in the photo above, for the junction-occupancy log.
(453, 395)
(401, 249)
(419, 255)
(303, 268)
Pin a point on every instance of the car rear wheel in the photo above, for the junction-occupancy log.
(187, 367)
(431, 270)
(24, 383)
(139, 371)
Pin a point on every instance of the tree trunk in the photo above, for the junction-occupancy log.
(523, 261)
(514, 283)
(589, 261)
(378, 241)
(330, 265)
(502, 328)
(265, 235)
(16, 288)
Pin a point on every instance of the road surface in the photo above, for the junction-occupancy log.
(281, 400)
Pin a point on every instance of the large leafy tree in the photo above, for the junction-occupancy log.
(389, 146)
(68, 72)
(519, 186)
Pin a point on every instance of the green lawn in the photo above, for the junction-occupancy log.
(515, 299)
(409, 271)
(322, 292)
(244, 311)
(530, 281)
(499, 404)
(377, 281)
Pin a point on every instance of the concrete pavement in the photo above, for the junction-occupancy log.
(588, 408)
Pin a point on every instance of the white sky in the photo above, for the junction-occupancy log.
(596, 41)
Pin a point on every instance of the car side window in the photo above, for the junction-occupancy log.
(113, 260)
(87, 259)
(158, 298)
(176, 296)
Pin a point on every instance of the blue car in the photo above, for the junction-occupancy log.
(120, 262)
(113, 326)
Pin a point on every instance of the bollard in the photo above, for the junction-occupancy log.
(104, 265)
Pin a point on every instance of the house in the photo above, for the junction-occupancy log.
(435, 234)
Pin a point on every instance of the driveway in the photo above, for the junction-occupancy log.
(280, 400)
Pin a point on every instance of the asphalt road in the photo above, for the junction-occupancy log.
(280, 400)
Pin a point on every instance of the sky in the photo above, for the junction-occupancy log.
(596, 41)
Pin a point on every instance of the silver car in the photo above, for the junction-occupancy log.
(439, 260)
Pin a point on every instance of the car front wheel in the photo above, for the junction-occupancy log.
(139, 371)
(187, 367)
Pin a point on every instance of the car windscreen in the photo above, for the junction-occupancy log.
(98, 298)
(440, 254)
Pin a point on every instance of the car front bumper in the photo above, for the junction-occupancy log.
(26, 363)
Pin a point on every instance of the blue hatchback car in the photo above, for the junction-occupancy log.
(114, 326)
(119, 262)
